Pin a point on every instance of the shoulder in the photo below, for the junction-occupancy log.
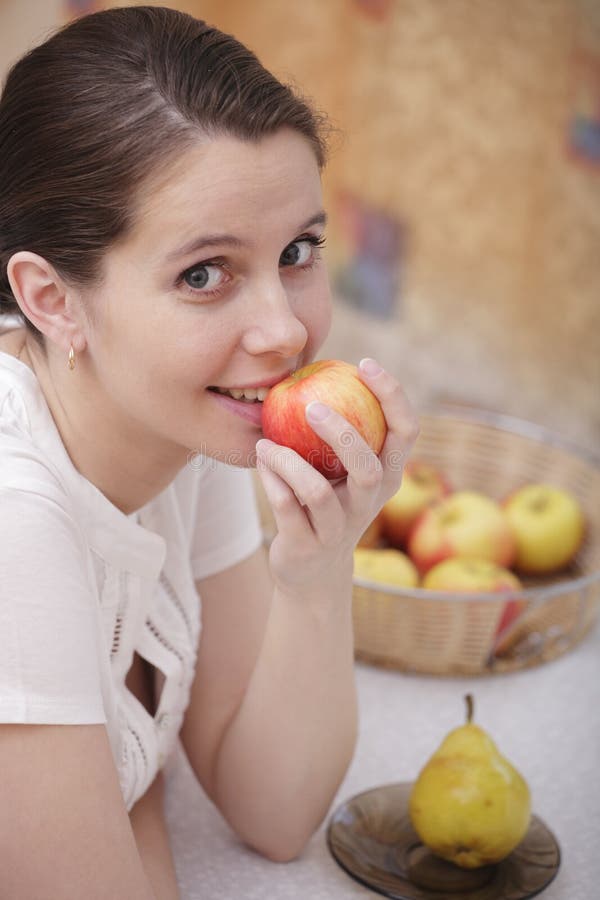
(25, 461)
(218, 512)
(36, 509)
(24, 467)
(205, 485)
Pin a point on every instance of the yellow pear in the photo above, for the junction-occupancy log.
(469, 805)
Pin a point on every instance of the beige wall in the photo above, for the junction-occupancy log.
(24, 23)
(455, 115)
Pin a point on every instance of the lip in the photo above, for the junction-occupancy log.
(266, 382)
(252, 412)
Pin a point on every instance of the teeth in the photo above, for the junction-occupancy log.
(249, 394)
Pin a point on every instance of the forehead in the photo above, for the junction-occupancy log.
(223, 183)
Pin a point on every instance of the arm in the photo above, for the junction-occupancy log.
(271, 725)
(64, 829)
(152, 838)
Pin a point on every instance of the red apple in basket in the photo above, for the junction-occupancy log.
(466, 576)
(422, 485)
(329, 381)
(465, 524)
(548, 524)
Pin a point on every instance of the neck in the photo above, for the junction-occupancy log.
(102, 442)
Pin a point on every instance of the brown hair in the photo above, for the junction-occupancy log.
(86, 116)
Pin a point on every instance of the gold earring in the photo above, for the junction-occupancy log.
(71, 358)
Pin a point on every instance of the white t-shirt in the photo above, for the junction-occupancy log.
(83, 586)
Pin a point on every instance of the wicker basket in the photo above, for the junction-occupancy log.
(415, 630)
(454, 634)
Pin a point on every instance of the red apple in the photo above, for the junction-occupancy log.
(465, 524)
(329, 381)
(548, 524)
(422, 485)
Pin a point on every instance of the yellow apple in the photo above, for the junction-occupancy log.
(466, 524)
(548, 524)
(466, 576)
(385, 566)
(422, 485)
(470, 575)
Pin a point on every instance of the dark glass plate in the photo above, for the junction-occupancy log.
(371, 837)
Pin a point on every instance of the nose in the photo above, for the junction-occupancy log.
(273, 325)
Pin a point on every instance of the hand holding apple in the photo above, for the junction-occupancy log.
(336, 384)
(319, 522)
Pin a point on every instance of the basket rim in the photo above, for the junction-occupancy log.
(533, 593)
(511, 424)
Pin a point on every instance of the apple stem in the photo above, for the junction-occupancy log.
(470, 707)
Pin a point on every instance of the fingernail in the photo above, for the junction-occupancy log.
(262, 446)
(370, 367)
(316, 411)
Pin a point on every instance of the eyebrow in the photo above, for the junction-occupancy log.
(229, 240)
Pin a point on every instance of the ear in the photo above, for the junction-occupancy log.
(45, 300)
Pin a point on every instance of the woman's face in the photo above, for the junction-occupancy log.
(220, 284)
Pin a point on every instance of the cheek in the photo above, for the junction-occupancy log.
(321, 326)
(317, 313)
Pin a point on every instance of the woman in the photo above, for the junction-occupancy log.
(160, 223)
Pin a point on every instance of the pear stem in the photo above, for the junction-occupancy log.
(470, 707)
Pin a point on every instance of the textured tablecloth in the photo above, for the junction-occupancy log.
(546, 720)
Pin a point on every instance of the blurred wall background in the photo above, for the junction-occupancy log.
(24, 23)
(463, 186)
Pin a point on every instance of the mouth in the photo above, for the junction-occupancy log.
(251, 393)
(246, 395)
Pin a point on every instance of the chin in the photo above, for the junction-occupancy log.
(242, 456)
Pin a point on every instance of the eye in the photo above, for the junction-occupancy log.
(302, 252)
(204, 278)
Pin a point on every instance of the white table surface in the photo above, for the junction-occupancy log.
(545, 720)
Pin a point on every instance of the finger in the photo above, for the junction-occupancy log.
(360, 461)
(321, 504)
(290, 518)
(403, 425)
